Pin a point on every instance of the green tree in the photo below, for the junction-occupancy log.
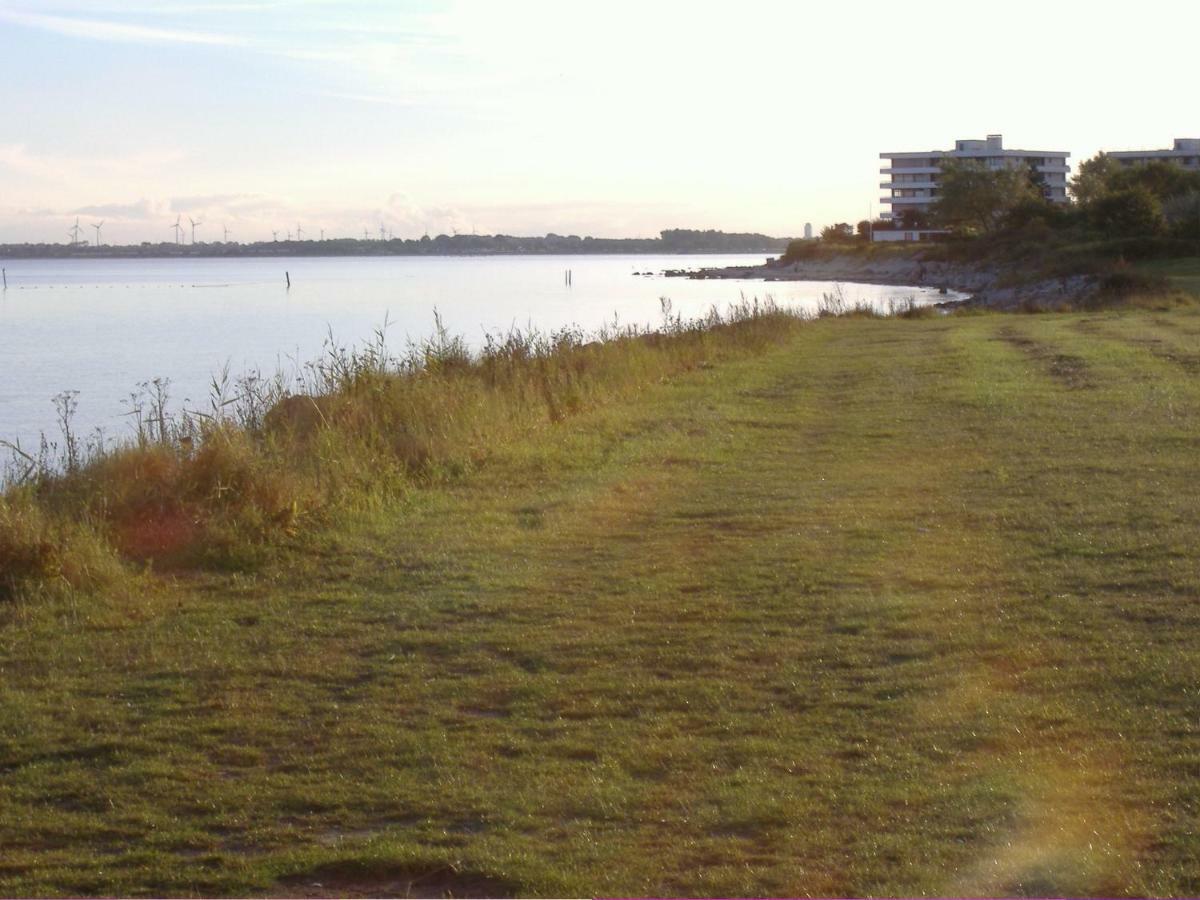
(975, 197)
(913, 219)
(1037, 180)
(1129, 212)
(1164, 180)
(1091, 182)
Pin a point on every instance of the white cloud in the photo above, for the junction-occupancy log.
(139, 211)
(77, 172)
(94, 29)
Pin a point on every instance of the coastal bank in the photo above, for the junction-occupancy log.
(994, 286)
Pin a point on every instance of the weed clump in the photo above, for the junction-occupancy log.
(836, 305)
(41, 551)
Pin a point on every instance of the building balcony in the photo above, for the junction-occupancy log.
(910, 170)
(908, 201)
(908, 185)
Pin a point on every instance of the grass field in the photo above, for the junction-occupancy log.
(1183, 274)
(896, 607)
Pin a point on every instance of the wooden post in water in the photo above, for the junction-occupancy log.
(5, 273)
(288, 276)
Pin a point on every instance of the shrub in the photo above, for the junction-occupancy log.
(841, 233)
(798, 251)
(1034, 213)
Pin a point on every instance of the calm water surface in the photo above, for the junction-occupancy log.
(101, 327)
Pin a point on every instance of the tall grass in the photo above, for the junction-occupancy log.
(270, 455)
(835, 304)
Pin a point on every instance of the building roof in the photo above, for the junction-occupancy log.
(1185, 146)
(919, 154)
(991, 146)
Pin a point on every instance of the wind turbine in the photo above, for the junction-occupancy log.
(194, 224)
(98, 227)
(382, 232)
(322, 234)
(74, 232)
(178, 229)
(275, 236)
(299, 231)
(366, 235)
(225, 228)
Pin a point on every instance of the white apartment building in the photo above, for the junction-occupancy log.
(1186, 153)
(912, 177)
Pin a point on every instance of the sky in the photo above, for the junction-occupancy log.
(614, 119)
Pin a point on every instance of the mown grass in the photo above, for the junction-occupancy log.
(885, 606)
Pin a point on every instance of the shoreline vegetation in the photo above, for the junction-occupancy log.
(670, 241)
(272, 455)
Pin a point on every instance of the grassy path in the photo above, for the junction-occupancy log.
(905, 607)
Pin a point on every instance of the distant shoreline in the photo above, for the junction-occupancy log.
(671, 243)
(331, 255)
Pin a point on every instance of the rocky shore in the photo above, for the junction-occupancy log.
(988, 286)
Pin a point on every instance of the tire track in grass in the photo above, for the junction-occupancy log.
(969, 754)
(1181, 322)
(1084, 822)
(1066, 368)
(1156, 337)
(1027, 848)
